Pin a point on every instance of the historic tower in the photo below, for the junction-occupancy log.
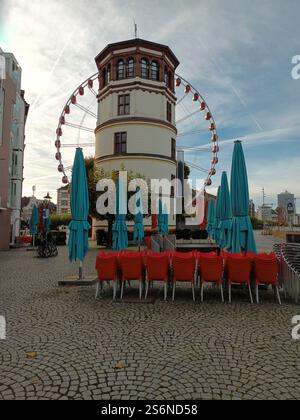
(136, 109)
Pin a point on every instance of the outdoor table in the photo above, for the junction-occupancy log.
(206, 248)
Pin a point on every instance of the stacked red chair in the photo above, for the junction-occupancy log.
(157, 269)
(107, 269)
(147, 241)
(239, 272)
(266, 269)
(132, 270)
(211, 269)
(184, 270)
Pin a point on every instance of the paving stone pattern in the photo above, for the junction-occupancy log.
(63, 344)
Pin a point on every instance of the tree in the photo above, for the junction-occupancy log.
(94, 175)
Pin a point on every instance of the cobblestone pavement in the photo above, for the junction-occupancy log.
(62, 344)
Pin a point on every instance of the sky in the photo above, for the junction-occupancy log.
(237, 53)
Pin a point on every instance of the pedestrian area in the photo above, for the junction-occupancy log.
(62, 343)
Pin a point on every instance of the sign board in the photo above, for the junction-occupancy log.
(290, 207)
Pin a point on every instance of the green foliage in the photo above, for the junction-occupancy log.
(60, 220)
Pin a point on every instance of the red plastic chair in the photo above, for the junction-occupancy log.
(147, 241)
(239, 272)
(107, 269)
(266, 270)
(157, 270)
(132, 269)
(184, 270)
(211, 271)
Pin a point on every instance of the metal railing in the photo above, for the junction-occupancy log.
(289, 258)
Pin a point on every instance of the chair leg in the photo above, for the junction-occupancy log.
(166, 290)
(174, 288)
(229, 289)
(222, 293)
(115, 290)
(141, 289)
(122, 289)
(257, 296)
(278, 295)
(193, 291)
(97, 290)
(250, 293)
(147, 289)
(202, 292)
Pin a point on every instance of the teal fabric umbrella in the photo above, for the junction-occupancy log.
(225, 212)
(47, 223)
(211, 219)
(163, 219)
(217, 217)
(138, 234)
(241, 232)
(79, 227)
(120, 234)
(34, 221)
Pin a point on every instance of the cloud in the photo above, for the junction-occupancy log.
(237, 54)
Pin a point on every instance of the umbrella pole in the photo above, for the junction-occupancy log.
(33, 241)
(80, 270)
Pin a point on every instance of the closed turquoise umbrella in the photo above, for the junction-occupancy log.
(47, 223)
(34, 221)
(241, 233)
(217, 217)
(138, 234)
(79, 227)
(163, 219)
(211, 219)
(120, 234)
(225, 212)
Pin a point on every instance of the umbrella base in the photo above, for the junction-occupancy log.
(75, 282)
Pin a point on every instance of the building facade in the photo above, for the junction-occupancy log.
(63, 200)
(286, 201)
(136, 110)
(13, 113)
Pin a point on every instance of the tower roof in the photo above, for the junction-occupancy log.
(137, 43)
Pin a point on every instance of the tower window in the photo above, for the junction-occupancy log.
(130, 68)
(123, 104)
(120, 70)
(166, 77)
(154, 71)
(169, 112)
(120, 143)
(170, 80)
(173, 177)
(103, 77)
(145, 68)
(108, 76)
(173, 151)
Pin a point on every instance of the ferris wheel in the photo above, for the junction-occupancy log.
(197, 131)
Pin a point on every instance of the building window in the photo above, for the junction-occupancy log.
(130, 68)
(103, 77)
(120, 143)
(169, 112)
(173, 149)
(155, 71)
(123, 104)
(170, 80)
(173, 177)
(120, 70)
(145, 68)
(108, 76)
(166, 77)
